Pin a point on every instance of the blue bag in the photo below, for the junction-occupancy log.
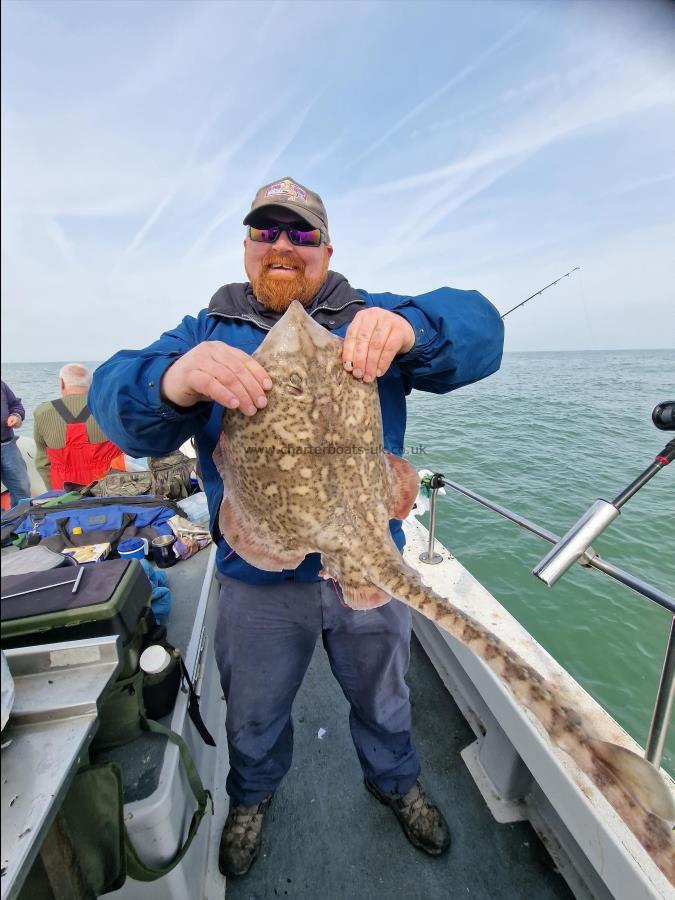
(96, 520)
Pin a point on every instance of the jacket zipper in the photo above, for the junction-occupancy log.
(41, 512)
(241, 319)
(264, 327)
(336, 309)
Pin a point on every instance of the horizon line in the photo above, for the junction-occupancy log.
(32, 362)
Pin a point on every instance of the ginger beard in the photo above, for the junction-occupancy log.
(278, 293)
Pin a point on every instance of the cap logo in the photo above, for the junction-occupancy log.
(287, 187)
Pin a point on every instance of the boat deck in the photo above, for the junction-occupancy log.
(326, 836)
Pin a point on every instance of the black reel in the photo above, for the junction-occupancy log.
(663, 415)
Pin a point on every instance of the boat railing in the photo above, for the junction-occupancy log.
(575, 546)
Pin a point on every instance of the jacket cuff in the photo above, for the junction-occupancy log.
(424, 331)
(153, 378)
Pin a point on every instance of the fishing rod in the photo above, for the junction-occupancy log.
(532, 296)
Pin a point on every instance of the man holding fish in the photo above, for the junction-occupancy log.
(272, 610)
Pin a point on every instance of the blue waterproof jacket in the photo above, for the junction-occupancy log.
(459, 340)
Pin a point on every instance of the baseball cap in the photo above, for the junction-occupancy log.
(289, 194)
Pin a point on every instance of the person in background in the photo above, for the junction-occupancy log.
(70, 445)
(14, 471)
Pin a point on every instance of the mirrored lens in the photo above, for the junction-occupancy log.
(298, 236)
(266, 235)
(311, 238)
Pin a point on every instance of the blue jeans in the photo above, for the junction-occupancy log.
(264, 642)
(14, 473)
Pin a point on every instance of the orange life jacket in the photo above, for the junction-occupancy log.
(80, 461)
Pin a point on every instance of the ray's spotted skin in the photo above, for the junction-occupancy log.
(308, 474)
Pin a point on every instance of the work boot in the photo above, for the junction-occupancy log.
(241, 837)
(421, 820)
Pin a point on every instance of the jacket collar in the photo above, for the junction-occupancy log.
(336, 303)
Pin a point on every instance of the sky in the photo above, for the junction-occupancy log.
(483, 145)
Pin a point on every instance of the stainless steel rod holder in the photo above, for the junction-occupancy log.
(576, 542)
(429, 556)
(663, 707)
(594, 562)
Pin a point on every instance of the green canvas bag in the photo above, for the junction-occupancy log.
(100, 848)
(94, 814)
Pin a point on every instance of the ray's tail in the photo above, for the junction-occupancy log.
(630, 783)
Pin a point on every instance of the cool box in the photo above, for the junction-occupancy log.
(110, 598)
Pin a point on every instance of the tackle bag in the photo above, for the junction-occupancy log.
(90, 520)
(167, 476)
(122, 484)
(172, 475)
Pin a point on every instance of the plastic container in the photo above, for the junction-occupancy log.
(133, 548)
(155, 659)
(195, 508)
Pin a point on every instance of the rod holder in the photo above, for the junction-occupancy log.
(572, 546)
(663, 707)
(429, 556)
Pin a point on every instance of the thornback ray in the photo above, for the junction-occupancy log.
(308, 474)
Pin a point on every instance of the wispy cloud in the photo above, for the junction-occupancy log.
(239, 198)
(185, 170)
(639, 185)
(456, 79)
(430, 196)
(135, 135)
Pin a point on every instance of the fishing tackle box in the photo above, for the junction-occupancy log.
(110, 599)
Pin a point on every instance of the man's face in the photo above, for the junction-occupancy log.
(281, 272)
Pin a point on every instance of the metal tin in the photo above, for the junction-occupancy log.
(162, 551)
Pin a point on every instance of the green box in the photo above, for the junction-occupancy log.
(110, 599)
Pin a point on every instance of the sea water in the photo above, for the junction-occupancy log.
(546, 436)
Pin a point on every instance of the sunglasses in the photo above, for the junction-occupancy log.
(297, 236)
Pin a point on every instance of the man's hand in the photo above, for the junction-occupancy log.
(14, 421)
(374, 337)
(215, 371)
